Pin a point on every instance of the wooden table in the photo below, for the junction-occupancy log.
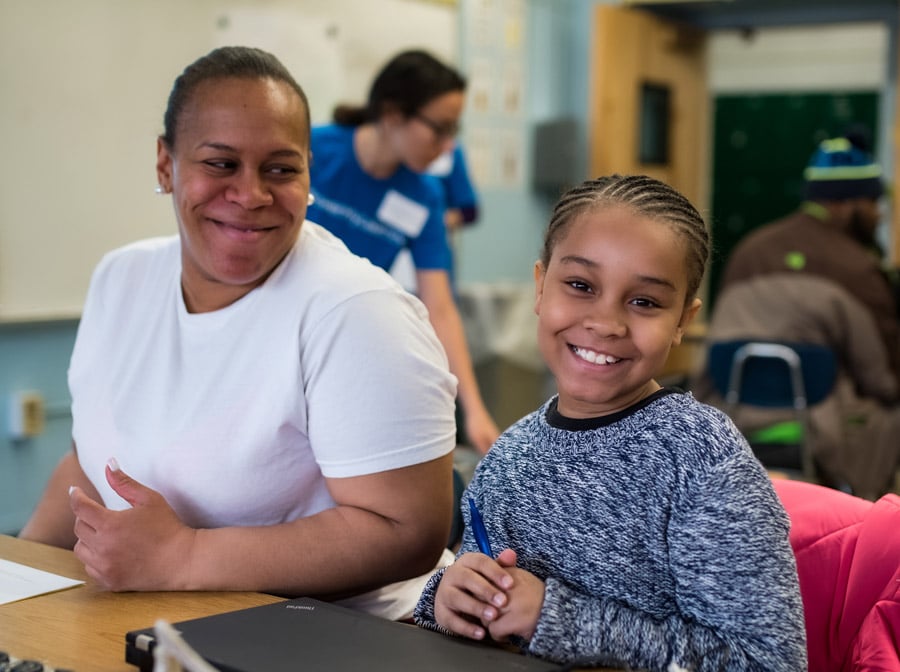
(83, 628)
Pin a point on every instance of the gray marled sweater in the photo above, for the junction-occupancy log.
(659, 536)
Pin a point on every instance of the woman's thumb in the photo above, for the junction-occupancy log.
(126, 487)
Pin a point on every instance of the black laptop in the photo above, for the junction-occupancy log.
(306, 634)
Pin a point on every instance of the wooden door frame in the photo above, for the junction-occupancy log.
(632, 46)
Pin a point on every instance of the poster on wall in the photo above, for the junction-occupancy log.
(495, 119)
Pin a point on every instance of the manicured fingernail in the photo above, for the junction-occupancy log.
(499, 599)
(71, 489)
(113, 464)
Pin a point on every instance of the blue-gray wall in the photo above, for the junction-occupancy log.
(33, 357)
(505, 242)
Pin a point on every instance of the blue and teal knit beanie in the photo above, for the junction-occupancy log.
(841, 169)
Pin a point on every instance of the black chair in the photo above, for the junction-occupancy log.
(456, 529)
(775, 375)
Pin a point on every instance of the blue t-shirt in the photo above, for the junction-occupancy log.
(376, 218)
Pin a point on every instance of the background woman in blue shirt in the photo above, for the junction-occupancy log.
(369, 181)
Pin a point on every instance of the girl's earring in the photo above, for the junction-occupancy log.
(159, 190)
(310, 199)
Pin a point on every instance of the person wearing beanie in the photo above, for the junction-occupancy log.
(815, 276)
(839, 170)
(831, 235)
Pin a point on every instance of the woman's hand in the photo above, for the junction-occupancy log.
(481, 430)
(146, 547)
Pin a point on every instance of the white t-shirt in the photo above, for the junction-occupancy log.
(327, 369)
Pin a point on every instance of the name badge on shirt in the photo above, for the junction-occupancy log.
(402, 213)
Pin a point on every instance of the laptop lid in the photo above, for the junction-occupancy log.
(307, 634)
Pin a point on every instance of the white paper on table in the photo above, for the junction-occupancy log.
(18, 582)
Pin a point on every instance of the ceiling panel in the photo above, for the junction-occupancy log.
(759, 13)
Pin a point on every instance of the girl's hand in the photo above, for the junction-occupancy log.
(523, 607)
(471, 593)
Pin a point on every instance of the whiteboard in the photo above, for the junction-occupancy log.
(84, 86)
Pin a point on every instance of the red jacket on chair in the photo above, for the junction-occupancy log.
(848, 561)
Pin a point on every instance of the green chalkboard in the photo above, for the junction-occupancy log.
(761, 145)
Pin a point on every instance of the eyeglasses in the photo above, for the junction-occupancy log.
(446, 130)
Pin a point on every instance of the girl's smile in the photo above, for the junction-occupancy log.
(595, 357)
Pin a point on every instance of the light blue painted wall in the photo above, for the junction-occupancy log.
(504, 244)
(33, 357)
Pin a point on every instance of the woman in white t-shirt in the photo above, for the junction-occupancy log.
(254, 407)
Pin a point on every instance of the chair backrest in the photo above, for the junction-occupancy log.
(772, 374)
(775, 375)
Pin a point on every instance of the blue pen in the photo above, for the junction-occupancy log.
(484, 544)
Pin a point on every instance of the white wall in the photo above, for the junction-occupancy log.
(84, 85)
(849, 57)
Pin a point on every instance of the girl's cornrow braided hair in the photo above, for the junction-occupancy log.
(647, 196)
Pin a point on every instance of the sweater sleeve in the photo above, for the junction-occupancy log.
(423, 614)
(738, 601)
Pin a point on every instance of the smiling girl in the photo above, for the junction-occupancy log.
(637, 528)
